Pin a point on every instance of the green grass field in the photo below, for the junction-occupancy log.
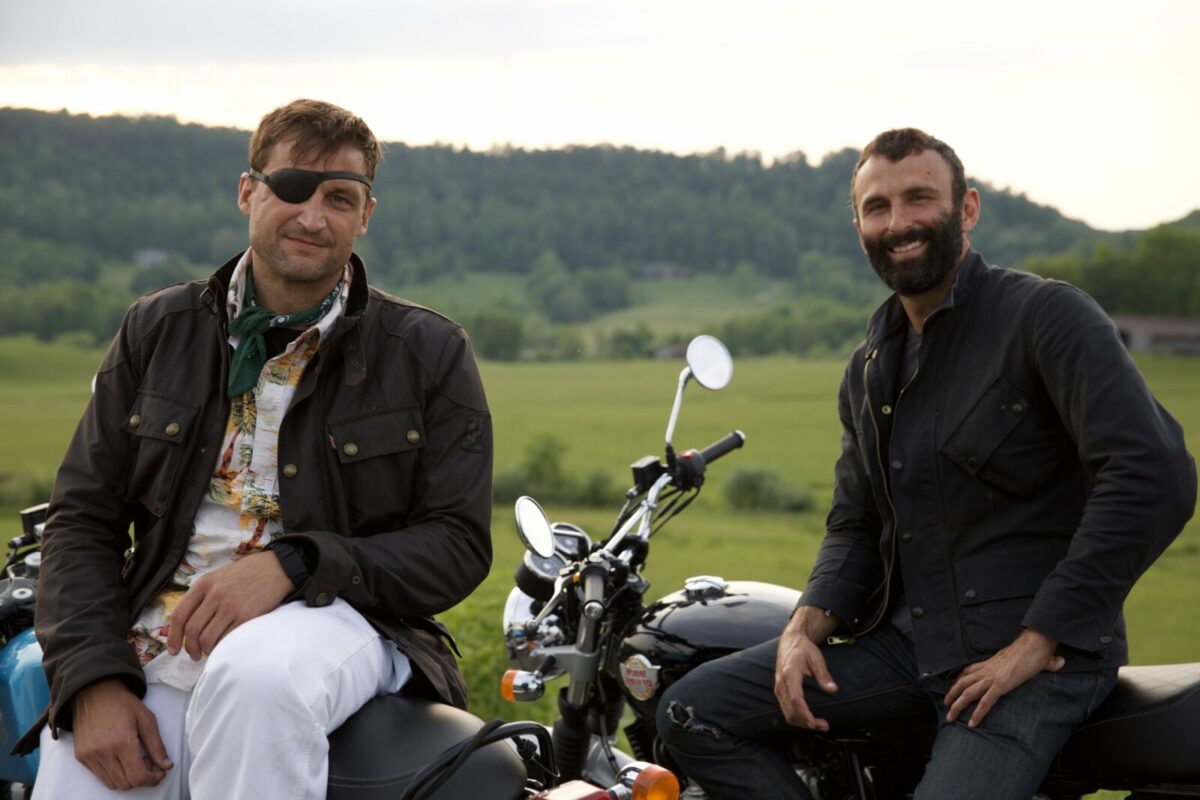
(608, 414)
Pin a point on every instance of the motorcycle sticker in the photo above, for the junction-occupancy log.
(640, 676)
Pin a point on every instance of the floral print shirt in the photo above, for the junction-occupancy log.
(240, 511)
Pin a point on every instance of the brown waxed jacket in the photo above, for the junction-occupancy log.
(385, 470)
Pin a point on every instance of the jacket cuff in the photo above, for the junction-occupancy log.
(296, 559)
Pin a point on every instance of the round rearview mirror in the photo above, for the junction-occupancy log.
(710, 362)
(533, 527)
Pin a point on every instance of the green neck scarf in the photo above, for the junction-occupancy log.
(252, 323)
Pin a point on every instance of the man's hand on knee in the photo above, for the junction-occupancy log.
(223, 599)
(985, 682)
(116, 736)
(800, 657)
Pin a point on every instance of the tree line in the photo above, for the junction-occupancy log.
(84, 197)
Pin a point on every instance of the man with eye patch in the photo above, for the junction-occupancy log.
(282, 476)
(1005, 477)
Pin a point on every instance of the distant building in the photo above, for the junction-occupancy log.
(150, 257)
(1169, 335)
(674, 352)
(657, 270)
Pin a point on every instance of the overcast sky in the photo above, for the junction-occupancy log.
(1090, 106)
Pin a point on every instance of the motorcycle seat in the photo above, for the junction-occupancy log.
(375, 753)
(1146, 731)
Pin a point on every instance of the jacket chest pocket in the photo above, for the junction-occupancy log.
(378, 457)
(1006, 442)
(158, 427)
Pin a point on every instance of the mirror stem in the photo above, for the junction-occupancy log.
(683, 379)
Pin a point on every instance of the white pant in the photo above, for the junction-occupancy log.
(255, 725)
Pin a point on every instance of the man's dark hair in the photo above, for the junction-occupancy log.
(901, 143)
(317, 129)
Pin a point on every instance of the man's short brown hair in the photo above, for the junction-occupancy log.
(316, 129)
(900, 143)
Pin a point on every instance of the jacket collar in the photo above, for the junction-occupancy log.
(218, 286)
(889, 318)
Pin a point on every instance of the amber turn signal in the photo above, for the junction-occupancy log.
(506, 685)
(656, 783)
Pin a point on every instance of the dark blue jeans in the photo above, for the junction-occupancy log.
(723, 724)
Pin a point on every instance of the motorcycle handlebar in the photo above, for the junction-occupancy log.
(722, 446)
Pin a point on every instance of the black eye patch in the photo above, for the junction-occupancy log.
(297, 185)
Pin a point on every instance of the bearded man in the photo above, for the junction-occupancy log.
(1005, 477)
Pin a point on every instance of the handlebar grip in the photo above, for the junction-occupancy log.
(723, 446)
(593, 591)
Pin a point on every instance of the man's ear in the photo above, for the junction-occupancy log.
(366, 217)
(971, 209)
(858, 229)
(245, 189)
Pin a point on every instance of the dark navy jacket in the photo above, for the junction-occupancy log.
(1024, 477)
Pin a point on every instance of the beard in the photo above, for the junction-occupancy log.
(269, 255)
(917, 276)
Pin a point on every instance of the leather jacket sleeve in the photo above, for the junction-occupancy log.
(1142, 479)
(848, 567)
(443, 551)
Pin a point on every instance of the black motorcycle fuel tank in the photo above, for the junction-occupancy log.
(708, 618)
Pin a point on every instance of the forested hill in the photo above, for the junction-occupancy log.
(565, 253)
(79, 191)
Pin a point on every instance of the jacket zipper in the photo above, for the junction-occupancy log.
(128, 566)
(887, 486)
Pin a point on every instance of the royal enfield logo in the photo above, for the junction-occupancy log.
(640, 676)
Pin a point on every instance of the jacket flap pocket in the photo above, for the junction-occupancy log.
(394, 431)
(985, 426)
(157, 417)
(1016, 571)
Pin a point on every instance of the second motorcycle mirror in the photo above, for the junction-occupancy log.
(534, 527)
(710, 362)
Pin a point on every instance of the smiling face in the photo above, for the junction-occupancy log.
(907, 221)
(300, 249)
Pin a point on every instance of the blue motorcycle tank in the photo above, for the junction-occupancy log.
(24, 695)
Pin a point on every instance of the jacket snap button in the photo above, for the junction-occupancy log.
(134, 421)
(969, 593)
(350, 449)
(413, 437)
(906, 537)
(1018, 408)
(897, 465)
(172, 428)
(1105, 639)
(886, 410)
(290, 470)
(356, 580)
(321, 599)
(918, 612)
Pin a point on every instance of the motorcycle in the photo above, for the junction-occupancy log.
(579, 609)
(395, 747)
